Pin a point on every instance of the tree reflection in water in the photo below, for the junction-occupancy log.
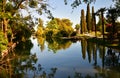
(25, 65)
(14, 66)
(84, 48)
(56, 44)
(41, 42)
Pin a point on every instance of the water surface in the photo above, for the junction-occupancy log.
(40, 58)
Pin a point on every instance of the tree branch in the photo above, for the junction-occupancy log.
(17, 6)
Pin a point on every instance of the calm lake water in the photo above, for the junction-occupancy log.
(51, 58)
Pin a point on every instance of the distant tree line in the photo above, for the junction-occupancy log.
(55, 28)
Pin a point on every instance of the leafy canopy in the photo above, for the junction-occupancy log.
(62, 27)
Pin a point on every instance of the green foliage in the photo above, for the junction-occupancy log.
(33, 3)
(62, 33)
(65, 28)
(49, 33)
(14, 24)
(9, 7)
(77, 26)
(76, 3)
(113, 12)
(41, 42)
(117, 5)
(40, 31)
(83, 23)
(23, 33)
(59, 27)
(88, 18)
(56, 44)
(40, 28)
(67, 22)
(93, 20)
(99, 24)
(3, 42)
(52, 24)
(23, 48)
(112, 15)
(21, 29)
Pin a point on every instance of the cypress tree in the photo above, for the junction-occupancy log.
(88, 18)
(83, 23)
(93, 22)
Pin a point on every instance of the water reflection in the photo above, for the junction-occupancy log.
(84, 48)
(111, 59)
(56, 44)
(23, 48)
(77, 59)
(41, 42)
(17, 65)
(90, 48)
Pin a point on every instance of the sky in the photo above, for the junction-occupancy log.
(60, 10)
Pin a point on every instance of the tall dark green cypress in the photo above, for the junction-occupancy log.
(83, 23)
(93, 19)
(88, 18)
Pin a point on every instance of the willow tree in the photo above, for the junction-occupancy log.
(83, 22)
